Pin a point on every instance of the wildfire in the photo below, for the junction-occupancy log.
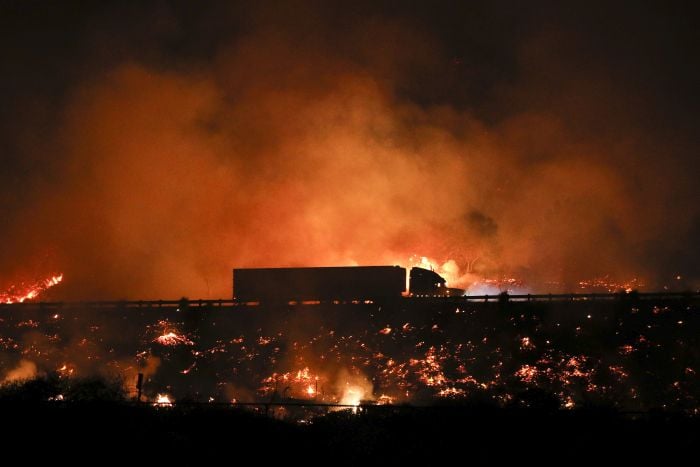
(618, 371)
(352, 395)
(526, 344)
(527, 373)
(626, 349)
(494, 286)
(606, 284)
(444, 355)
(163, 400)
(451, 392)
(447, 269)
(22, 292)
(429, 369)
(65, 370)
(172, 339)
(301, 383)
(385, 400)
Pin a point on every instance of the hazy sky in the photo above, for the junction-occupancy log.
(149, 147)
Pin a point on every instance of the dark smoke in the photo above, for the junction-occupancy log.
(147, 149)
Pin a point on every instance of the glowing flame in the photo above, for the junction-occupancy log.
(22, 292)
(163, 400)
(448, 270)
(527, 373)
(406, 368)
(65, 370)
(451, 392)
(526, 344)
(352, 396)
(173, 339)
(300, 383)
(466, 278)
(569, 403)
(607, 284)
(385, 400)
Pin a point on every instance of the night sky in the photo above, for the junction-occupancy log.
(149, 147)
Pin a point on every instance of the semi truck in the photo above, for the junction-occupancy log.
(339, 284)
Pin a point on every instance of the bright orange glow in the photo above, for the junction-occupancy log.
(163, 400)
(172, 339)
(22, 292)
(607, 284)
(527, 373)
(526, 344)
(385, 400)
(352, 396)
(451, 392)
(301, 383)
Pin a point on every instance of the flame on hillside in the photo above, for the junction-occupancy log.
(23, 291)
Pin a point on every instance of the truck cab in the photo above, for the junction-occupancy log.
(426, 283)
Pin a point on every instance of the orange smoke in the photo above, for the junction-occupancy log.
(277, 150)
(25, 370)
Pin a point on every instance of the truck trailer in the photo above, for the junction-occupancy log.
(342, 284)
(346, 283)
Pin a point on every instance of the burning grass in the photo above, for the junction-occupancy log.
(23, 291)
(620, 354)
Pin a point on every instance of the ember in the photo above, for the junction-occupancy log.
(173, 339)
(431, 352)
